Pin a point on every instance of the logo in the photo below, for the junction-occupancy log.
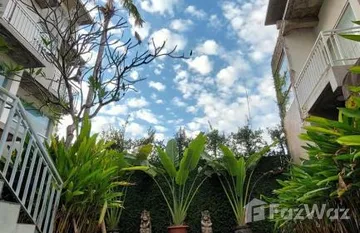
(258, 210)
(255, 211)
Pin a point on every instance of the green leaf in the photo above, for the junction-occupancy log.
(355, 69)
(352, 140)
(255, 158)
(355, 113)
(136, 168)
(322, 130)
(166, 162)
(197, 147)
(173, 151)
(240, 178)
(181, 176)
(356, 22)
(230, 161)
(351, 37)
(144, 152)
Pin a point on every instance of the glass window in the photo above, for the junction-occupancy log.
(39, 121)
(3, 80)
(346, 20)
(284, 71)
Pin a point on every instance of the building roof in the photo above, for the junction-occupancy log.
(275, 11)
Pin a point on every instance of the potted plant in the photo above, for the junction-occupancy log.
(172, 178)
(235, 177)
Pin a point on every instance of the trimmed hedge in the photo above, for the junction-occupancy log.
(145, 195)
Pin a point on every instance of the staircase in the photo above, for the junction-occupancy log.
(29, 181)
(9, 214)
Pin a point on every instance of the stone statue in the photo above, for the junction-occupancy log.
(145, 225)
(206, 224)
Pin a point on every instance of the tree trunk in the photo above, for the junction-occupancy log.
(107, 18)
(70, 134)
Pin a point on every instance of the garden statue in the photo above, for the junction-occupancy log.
(206, 224)
(145, 225)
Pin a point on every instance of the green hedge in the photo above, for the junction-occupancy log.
(145, 195)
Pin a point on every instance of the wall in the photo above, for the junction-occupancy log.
(330, 13)
(293, 127)
(298, 45)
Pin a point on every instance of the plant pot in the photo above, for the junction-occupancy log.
(178, 229)
(243, 229)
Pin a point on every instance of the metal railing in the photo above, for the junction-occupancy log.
(26, 166)
(20, 19)
(330, 49)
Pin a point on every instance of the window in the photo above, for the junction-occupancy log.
(342, 51)
(40, 122)
(3, 80)
(346, 20)
(284, 71)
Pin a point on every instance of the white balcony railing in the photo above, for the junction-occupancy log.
(26, 166)
(329, 50)
(19, 18)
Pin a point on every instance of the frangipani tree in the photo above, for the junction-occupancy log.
(93, 51)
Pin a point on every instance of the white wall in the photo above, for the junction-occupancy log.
(330, 13)
(293, 127)
(298, 45)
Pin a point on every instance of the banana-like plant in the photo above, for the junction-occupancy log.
(177, 193)
(235, 176)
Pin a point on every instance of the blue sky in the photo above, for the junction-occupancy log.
(231, 55)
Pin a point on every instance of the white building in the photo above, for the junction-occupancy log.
(26, 169)
(314, 55)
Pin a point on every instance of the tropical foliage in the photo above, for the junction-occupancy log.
(92, 179)
(179, 191)
(235, 176)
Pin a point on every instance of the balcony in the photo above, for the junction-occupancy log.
(22, 33)
(327, 65)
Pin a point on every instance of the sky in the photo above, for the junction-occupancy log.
(231, 58)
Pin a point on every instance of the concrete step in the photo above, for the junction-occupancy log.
(25, 228)
(9, 214)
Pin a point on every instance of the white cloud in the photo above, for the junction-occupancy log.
(261, 39)
(201, 64)
(181, 25)
(115, 109)
(198, 13)
(214, 22)
(137, 102)
(101, 123)
(159, 101)
(157, 85)
(178, 102)
(172, 39)
(135, 130)
(134, 75)
(146, 115)
(227, 77)
(160, 128)
(209, 47)
(159, 6)
(191, 109)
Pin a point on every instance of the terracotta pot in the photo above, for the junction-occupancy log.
(178, 229)
(243, 229)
